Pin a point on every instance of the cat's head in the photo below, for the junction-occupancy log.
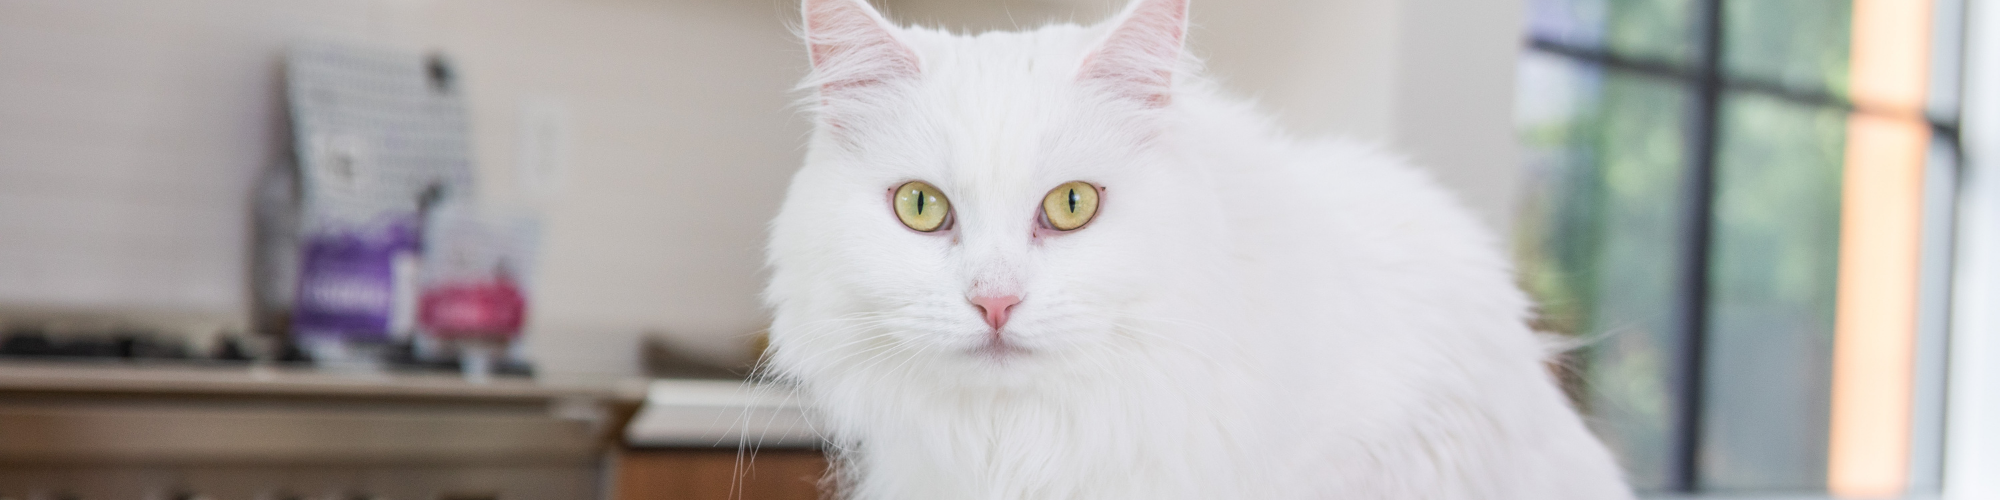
(995, 201)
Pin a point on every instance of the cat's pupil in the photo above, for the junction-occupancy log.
(920, 203)
(1072, 200)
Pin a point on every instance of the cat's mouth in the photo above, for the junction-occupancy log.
(997, 347)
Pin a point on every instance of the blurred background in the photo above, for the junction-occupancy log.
(512, 248)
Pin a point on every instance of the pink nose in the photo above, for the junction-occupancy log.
(995, 308)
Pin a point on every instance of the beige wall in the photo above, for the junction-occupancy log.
(682, 138)
(131, 130)
(1454, 95)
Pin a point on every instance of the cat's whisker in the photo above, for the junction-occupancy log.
(823, 327)
(921, 352)
(817, 358)
(845, 353)
(899, 346)
(876, 335)
(845, 329)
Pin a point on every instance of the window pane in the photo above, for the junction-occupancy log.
(1654, 30)
(1800, 44)
(1600, 243)
(1773, 261)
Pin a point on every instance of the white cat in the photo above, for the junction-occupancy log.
(1058, 265)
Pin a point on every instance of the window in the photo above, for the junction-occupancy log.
(1742, 210)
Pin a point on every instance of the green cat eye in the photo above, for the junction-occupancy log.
(921, 206)
(1070, 206)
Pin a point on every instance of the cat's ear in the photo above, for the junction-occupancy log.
(853, 48)
(1138, 57)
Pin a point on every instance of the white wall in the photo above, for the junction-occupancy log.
(131, 130)
(1972, 416)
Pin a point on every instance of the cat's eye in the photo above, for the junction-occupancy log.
(921, 206)
(1070, 206)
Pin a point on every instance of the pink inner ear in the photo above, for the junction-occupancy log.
(852, 47)
(1138, 58)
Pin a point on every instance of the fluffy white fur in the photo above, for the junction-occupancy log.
(1249, 316)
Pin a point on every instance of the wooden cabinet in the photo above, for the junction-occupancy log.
(717, 474)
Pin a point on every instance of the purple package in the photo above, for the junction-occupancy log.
(347, 282)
